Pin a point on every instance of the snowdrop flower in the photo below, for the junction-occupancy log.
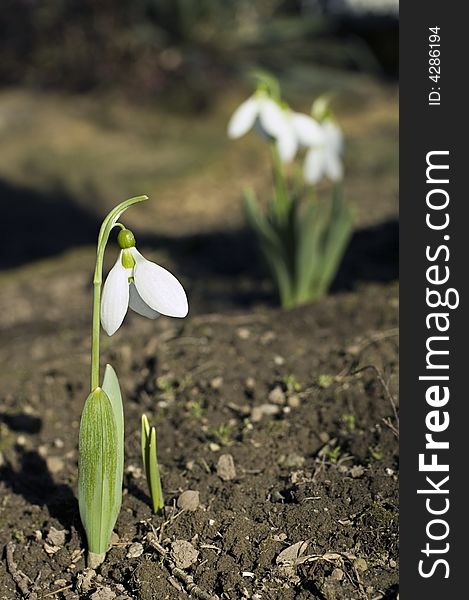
(324, 159)
(307, 132)
(269, 118)
(146, 287)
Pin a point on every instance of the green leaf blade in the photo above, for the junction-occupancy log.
(112, 389)
(99, 487)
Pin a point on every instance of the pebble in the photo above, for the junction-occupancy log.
(189, 500)
(258, 412)
(337, 574)
(135, 472)
(250, 384)
(279, 360)
(216, 383)
(135, 550)
(226, 468)
(360, 564)
(243, 333)
(277, 396)
(54, 464)
(294, 401)
(183, 553)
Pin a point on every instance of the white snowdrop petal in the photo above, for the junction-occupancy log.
(313, 167)
(333, 137)
(308, 131)
(271, 117)
(159, 288)
(333, 166)
(287, 144)
(243, 118)
(115, 297)
(138, 305)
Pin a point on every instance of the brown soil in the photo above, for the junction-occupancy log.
(321, 469)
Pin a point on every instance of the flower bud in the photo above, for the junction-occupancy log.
(126, 239)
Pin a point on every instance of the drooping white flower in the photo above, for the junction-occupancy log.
(324, 159)
(306, 132)
(266, 116)
(146, 287)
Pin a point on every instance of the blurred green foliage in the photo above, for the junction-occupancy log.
(146, 46)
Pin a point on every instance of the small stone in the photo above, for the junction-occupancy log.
(54, 464)
(183, 553)
(250, 384)
(360, 564)
(214, 447)
(279, 360)
(226, 468)
(60, 582)
(189, 500)
(243, 333)
(58, 443)
(277, 396)
(294, 401)
(104, 593)
(392, 564)
(258, 412)
(56, 537)
(216, 383)
(114, 539)
(134, 472)
(38, 535)
(324, 437)
(337, 574)
(135, 550)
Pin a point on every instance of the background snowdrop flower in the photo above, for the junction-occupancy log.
(149, 290)
(325, 158)
(301, 130)
(269, 119)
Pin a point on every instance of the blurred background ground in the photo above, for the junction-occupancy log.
(100, 102)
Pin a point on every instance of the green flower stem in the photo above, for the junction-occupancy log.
(280, 185)
(109, 222)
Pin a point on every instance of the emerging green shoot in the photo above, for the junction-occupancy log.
(150, 464)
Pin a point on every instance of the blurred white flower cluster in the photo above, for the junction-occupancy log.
(277, 122)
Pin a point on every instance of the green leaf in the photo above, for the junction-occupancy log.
(154, 471)
(145, 441)
(99, 483)
(335, 241)
(112, 389)
(150, 464)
